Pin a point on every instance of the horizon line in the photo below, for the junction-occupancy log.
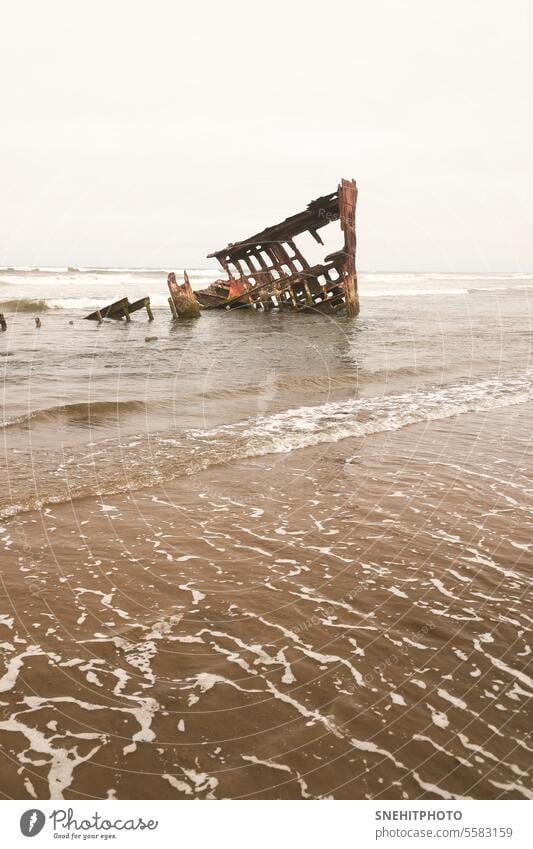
(164, 268)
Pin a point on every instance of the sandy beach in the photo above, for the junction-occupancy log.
(349, 620)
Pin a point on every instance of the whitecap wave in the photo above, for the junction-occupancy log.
(333, 421)
(173, 455)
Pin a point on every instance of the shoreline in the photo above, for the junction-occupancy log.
(322, 623)
(118, 460)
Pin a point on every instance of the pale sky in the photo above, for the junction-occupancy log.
(151, 133)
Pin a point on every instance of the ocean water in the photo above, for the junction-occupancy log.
(266, 555)
(90, 409)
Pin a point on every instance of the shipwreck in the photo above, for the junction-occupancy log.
(268, 270)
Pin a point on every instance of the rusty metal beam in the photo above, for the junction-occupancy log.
(347, 193)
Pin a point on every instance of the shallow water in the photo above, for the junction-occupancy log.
(97, 409)
(276, 556)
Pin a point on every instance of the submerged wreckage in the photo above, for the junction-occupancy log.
(269, 271)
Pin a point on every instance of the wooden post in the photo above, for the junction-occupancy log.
(149, 309)
(3, 322)
(126, 313)
(347, 195)
(293, 299)
(173, 309)
(37, 322)
(308, 293)
(99, 317)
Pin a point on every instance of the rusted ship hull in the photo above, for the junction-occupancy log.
(269, 271)
(182, 300)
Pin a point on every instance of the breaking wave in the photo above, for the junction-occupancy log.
(90, 413)
(25, 305)
(146, 461)
(85, 289)
(333, 421)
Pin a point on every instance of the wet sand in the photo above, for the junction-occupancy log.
(349, 620)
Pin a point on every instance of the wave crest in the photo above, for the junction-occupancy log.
(25, 305)
(90, 412)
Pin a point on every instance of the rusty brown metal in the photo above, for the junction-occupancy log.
(268, 270)
(185, 304)
(120, 309)
(347, 195)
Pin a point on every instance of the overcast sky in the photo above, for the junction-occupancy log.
(150, 133)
